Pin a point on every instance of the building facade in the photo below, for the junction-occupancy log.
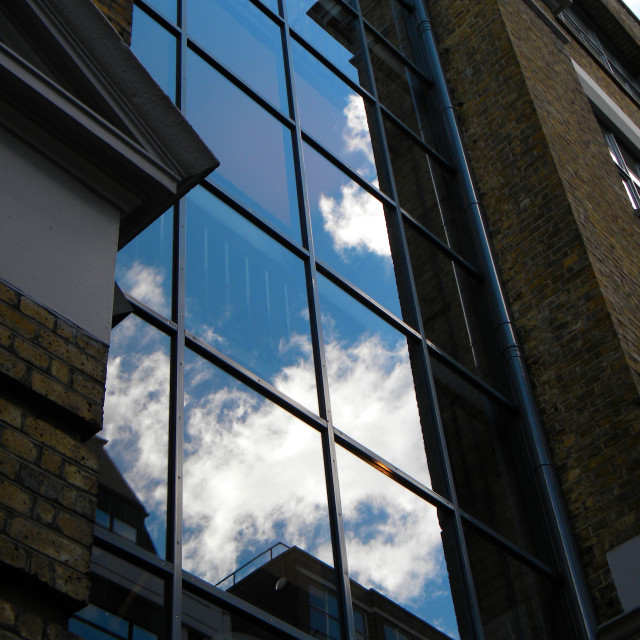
(326, 345)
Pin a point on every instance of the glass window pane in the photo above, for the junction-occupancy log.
(350, 230)
(168, 8)
(424, 187)
(272, 4)
(204, 620)
(392, 20)
(334, 114)
(253, 484)
(126, 601)
(253, 147)
(370, 381)
(138, 633)
(453, 309)
(87, 631)
(488, 461)
(514, 601)
(401, 90)
(246, 295)
(245, 40)
(395, 549)
(143, 267)
(133, 446)
(156, 49)
(104, 619)
(331, 29)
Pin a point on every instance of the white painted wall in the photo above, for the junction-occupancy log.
(58, 240)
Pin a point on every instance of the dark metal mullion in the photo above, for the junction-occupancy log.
(425, 148)
(334, 503)
(158, 17)
(514, 551)
(151, 316)
(390, 470)
(273, 232)
(174, 512)
(367, 301)
(346, 169)
(176, 399)
(423, 376)
(113, 543)
(237, 82)
(440, 245)
(470, 377)
(409, 63)
(253, 381)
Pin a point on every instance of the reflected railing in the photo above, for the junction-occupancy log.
(252, 565)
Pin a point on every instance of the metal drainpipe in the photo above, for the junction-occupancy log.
(544, 470)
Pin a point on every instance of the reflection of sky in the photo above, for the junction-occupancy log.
(166, 7)
(333, 113)
(143, 267)
(256, 157)
(245, 40)
(136, 416)
(393, 543)
(319, 36)
(370, 381)
(349, 230)
(253, 477)
(246, 294)
(156, 49)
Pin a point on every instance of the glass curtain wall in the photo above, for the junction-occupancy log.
(308, 431)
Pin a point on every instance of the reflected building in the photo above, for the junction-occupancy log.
(318, 420)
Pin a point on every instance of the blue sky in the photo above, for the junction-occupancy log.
(634, 5)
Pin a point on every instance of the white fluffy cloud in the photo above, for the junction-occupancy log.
(356, 132)
(253, 473)
(146, 283)
(355, 221)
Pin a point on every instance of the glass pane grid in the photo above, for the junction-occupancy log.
(254, 515)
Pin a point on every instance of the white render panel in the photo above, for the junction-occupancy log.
(58, 240)
(624, 562)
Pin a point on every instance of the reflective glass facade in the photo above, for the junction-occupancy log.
(308, 428)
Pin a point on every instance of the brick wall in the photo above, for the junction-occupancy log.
(51, 395)
(566, 242)
(119, 13)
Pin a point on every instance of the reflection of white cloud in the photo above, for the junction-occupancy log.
(253, 476)
(356, 221)
(356, 132)
(253, 473)
(396, 548)
(136, 417)
(373, 400)
(146, 283)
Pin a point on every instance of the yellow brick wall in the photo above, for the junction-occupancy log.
(567, 244)
(52, 379)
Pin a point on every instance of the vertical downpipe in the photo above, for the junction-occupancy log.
(544, 471)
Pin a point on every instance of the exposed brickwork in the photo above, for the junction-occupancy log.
(51, 357)
(16, 624)
(51, 395)
(567, 245)
(119, 13)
